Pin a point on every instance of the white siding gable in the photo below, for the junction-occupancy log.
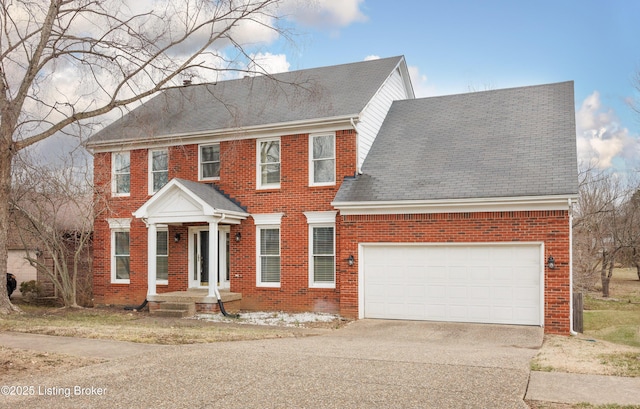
(376, 110)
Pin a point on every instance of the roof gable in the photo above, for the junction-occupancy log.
(326, 92)
(517, 142)
(183, 200)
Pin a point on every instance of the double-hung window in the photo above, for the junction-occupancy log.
(322, 159)
(322, 249)
(158, 169)
(268, 249)
(162, 256)
(120, 270)
(209, 161)
(121, 174)
(269, 163)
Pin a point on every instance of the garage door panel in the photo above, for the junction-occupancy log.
(475, 283)
(480, 274)
(480, 295)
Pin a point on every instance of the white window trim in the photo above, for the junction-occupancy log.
(259, 167)
(311, 160)
(114, 184)
(151, 172)
(200, 176)
(115, 280)
(321, 219)
(123, 223)
(159, 229)
(266, 221)
(118, 225)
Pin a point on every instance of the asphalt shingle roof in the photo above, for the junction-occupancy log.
(501, 143)
(326, 92)
(211, 196)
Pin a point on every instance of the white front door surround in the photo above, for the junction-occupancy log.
(182, 202)
(199, 254)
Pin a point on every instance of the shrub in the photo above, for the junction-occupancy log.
(30, 290)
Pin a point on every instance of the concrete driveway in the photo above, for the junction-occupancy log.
(368, 364)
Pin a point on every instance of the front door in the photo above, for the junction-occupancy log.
(199, 274)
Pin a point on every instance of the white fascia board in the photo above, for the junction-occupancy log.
(406, 78)
(501, 204)
(331, 124)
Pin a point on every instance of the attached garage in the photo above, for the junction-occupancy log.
(498, 283)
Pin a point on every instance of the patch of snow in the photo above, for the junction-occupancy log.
(282, 319)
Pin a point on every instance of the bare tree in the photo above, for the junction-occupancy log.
(64, 62)
(628, 231)
(54, 203)
(597, 220)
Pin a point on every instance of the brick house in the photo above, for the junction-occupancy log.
(334, 190)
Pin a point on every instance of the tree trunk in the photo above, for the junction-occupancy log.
(6, 156)
(604, 277)
(636, 262)
(608, 263)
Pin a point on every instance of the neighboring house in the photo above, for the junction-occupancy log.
(18, 248)
(326, 195)
(29, 237)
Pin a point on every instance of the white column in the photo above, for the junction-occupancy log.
(151, 259)
(213, 258)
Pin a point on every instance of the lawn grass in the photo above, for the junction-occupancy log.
(616, 318)
(105, 323)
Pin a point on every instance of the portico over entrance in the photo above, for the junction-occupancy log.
(208, 212)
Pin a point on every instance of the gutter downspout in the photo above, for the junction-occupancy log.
(353, 124)
(217, 291)
(571, 330)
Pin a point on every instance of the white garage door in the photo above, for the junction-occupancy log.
(20, 267)
(462, 283)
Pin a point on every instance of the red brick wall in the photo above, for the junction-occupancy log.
(238, 180)
(550, 227)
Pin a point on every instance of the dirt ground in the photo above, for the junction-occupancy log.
(580, 354)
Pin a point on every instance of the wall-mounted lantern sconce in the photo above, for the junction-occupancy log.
(351, 260)
(176, 238)
(38, 253)
(551, 263)
(238, 237)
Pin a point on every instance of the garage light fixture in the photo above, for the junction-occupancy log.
(176, 238)
(351, 260)
(238, 237)
(551, 263)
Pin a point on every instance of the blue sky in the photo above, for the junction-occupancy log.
(462, 46)
(458, 46)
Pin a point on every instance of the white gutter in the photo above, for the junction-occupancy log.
(454, 205)
(263, 130)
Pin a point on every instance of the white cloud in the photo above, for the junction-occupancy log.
(601, 140)
(421, 86)
(324, 14)
(269, 63)
(371, 57)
